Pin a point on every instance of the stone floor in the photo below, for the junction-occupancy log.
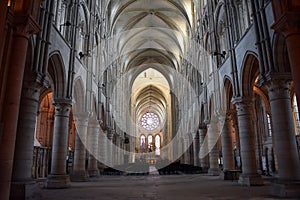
(155, 187)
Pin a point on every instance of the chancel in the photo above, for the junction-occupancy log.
(149, 99)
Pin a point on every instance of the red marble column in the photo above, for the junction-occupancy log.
(287, 20)
(24, 26)
(3, 12)
(23, 155)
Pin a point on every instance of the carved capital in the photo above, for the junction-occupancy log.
(244, 105)
(110, 135)
(31, 92)
(278, 89)
(289, 24)
(24, 26)
(62, 110)
(62, 107)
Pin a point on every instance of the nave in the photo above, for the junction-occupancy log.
(97, 91)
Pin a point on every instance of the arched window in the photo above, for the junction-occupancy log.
(296, 115)
(157, 145)
(150, 143)
(143, 142)
(269, 125)
(150, 121)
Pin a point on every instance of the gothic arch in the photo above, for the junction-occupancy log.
(79, 96)
(83, 28)
(281, 59)
(56, 73)
(211, 107)
(227, 94)
(249, 73)
(264, 97)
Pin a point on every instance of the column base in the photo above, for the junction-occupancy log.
(204, 169)
(230, 175)
(79, 176)
(213, 172)
(251, 180)
(57, 181)
(285, 189)
(22, 190)
(94, 173)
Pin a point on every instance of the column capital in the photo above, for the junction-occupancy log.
(31, 92)
(82, 119)
(278, 89)
(243, 103)
(110, 135)
(288, 23)
(94, 123)
(24, 26)
(81, 115)
(62, 108)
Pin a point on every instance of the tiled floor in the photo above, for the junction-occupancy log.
(155, 187)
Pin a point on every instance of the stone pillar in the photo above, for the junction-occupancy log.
(249, 174)
(287, 22)
(23, 159)
(110, 135)
(117, 150)
(283, 131)
(93, 149)
(227, 149)
(79, 172)
(203, 146)
(213, 134)
(196, 149)
(103, 149)
(24, 26)
(187, 151)
(58, 177)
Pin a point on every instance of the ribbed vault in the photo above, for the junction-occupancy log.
(150, 31)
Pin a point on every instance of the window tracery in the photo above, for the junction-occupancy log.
(150, 121)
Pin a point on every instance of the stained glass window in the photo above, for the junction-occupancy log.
(150, 121)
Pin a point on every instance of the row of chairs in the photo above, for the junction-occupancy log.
(177, 168)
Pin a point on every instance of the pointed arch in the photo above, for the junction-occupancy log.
(249, 73)
(79, 96)
(56, 74)
(227, 93)
(280, 54)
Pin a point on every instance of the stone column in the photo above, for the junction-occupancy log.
(227, 149)
(110, 135)
(249, 175)
(287, 22)
(58, 177)
(283, 131)
(93, 149)
(187, 151)
(213, 134)
(203, 146)
(196, 149)
(24, 27)
(103, 149)
(79, 173)
(117, 150)
(23, 159)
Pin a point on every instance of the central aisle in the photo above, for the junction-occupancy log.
(173, 187)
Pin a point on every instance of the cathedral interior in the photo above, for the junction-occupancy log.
(98, 89)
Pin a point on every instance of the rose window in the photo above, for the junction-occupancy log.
(150, 121)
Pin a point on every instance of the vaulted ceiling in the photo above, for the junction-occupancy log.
(150, 34)
(151, 31)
